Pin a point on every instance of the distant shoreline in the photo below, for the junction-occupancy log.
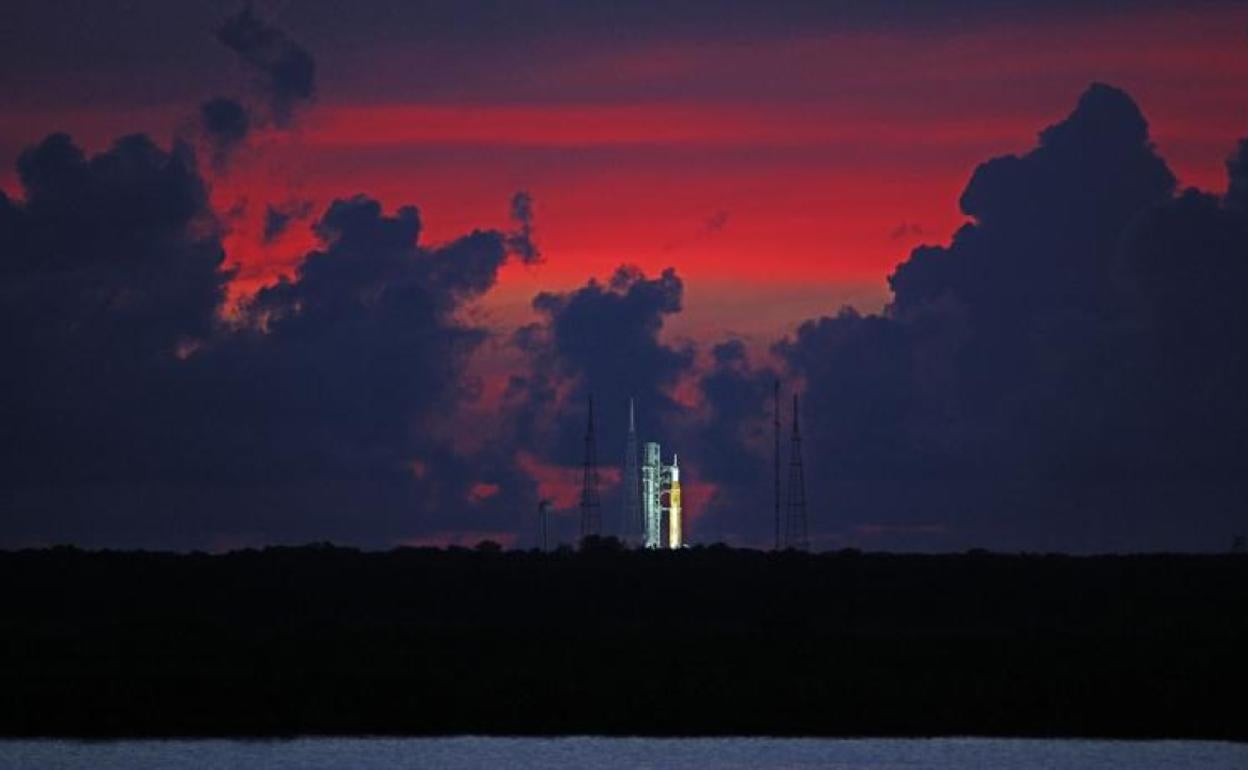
(706, 642)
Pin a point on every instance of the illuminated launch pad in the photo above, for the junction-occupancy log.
(660, 497)
(657, 507)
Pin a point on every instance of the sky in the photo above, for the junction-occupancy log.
(360, 275)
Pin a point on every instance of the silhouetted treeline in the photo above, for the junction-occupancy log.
(704, 641)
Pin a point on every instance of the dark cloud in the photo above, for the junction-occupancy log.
(226, 125)
(1182, 366)
(288, 79)
(288, 70)
(119, 247)
(522, 242)
(325, 408)
(111, 270)
(1064, 374)
(361, 357)
(278, 218)
(1237, 178)
(1067, 372)
(604, 339)
(731, 445)
(627, 312)
(1046, 225)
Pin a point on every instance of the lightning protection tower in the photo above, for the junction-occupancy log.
(796, 533)
(632, 518)
(775, 416)
(543, 525)
(591, 509)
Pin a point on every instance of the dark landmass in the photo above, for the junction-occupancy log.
(708, 641)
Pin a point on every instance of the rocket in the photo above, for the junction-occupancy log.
(660, 484)
(673, 505)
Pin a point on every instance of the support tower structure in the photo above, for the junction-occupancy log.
(543, 525)
(591, 508)
(662, 514)
(652, 495)
(775, 417)
(797, 533)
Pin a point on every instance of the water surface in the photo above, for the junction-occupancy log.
(470, 753)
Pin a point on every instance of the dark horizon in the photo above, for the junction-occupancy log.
(703, 642)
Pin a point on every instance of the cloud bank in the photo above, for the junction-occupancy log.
(135, 413)
(1063, 374)
(1067, 372)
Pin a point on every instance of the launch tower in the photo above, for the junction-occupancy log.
(652, 495)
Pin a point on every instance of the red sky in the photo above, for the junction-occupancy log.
(782, 176)
(783, 157)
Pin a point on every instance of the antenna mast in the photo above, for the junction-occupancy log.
(543, 525)
(776, 422)
(796, 533)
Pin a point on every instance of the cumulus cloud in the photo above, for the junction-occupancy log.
(628, 311)
(522, 241)
(1062, 374)
(287, 78)
(226, 125)
(111, 270)
(135, 415)
(604, 339)
(730, 442)
(116, 250)
(1237, 178)
(1067, 372)
(287, 70)
(278, 218)
(607, 339)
